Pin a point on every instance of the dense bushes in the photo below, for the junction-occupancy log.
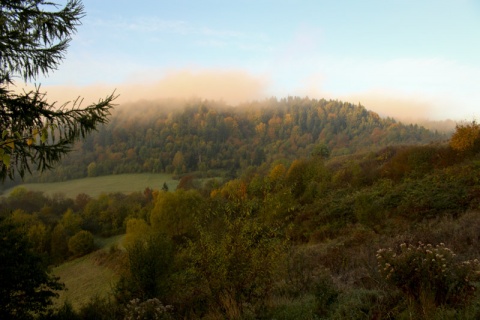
(429, 276)
(81, 243)
(440, 295)
(59, 228)
(148, 269)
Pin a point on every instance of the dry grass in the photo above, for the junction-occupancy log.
(93, 275)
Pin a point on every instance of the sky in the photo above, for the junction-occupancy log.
(401, 58)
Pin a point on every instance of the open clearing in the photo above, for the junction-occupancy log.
(125, 183)
(87, 277)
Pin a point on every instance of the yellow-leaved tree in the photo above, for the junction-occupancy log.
(466, 138)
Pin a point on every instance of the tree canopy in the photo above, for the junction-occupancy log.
(26, 285)
(34, 36)
(466, 138)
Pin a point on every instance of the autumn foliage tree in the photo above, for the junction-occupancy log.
(81, 243)
(466, 138)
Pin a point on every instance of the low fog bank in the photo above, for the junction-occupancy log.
(233, 87)
(177, 88)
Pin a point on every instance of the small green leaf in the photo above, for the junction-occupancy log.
(4, 134)
(44, 136)
(6, 160)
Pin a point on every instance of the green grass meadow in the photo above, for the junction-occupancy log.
(125, 183)
(89, 276)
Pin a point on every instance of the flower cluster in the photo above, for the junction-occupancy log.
(148, 309)
(424, 270)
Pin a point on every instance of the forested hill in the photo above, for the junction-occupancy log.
(196, 135)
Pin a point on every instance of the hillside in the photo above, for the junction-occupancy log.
(93, 275)
(208, 136)
(382, 234)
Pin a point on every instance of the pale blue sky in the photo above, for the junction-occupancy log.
(396, 57)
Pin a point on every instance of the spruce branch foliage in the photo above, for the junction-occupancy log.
(34, 37)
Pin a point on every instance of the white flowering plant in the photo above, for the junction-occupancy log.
(429, 274)
(151, 309)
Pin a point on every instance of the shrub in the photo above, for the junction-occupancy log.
(429, 276)
(64, 312)
(148, 269)
(234, 270)
(81, 243)
(148, 309)
(326, 295)
(286, 308)
(301, 271)
(99, 308)
(360, 304)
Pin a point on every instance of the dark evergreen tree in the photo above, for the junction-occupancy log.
(26, 286)
(165, 187)
(34, 36)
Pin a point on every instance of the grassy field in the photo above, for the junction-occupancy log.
(88, 276)
(95, 186)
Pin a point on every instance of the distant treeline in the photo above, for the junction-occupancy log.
(205, 136)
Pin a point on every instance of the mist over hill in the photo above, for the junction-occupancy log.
(174, 136)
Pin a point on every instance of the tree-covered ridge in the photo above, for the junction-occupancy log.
(168, 136)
